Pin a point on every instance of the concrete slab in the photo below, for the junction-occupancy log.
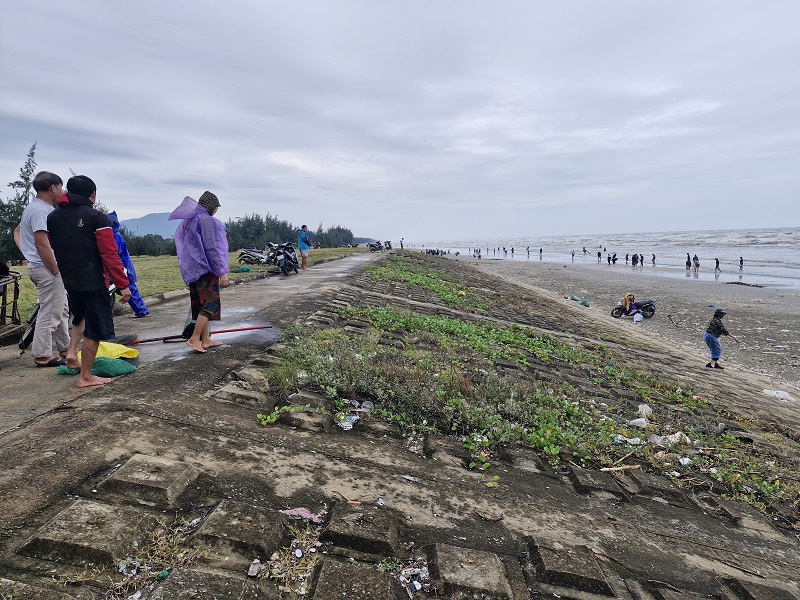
(744, 590)
(90, 533)
(14, 590)
(469, 573)
(150, 479)
(190, 584)
(572, 567)
(365, 528)
(349, 580)
(586, 481)
(237, 532)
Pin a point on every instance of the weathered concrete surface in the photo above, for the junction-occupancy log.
(536, 535)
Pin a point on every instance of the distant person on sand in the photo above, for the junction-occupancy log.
(84, 247)
(573, 256)
(696, 263)
(716, 266)
(741, 263)
(714, 330)
(654, 260)
(627, 257)
(203, 259)
(599, 256)
(688, 261)
(635, 260)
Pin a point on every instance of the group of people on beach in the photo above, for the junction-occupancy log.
(74, 253)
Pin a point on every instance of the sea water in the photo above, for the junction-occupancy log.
(771, 257)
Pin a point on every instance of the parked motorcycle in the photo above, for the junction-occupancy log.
(375, 247)
(646, 307)
(387, 244)
(251, 256)
(286, 258)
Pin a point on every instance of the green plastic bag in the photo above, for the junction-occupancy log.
(102, 367)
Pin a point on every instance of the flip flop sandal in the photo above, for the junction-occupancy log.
(53, 362)
(709, 365)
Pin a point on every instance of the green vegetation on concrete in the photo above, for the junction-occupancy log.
(435, 374)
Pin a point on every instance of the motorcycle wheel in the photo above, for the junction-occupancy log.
(242, 261)
(285, 268)
(648, 311)
(295, 268)
(617, 312)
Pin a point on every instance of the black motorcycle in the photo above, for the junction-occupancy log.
(286, 258)
(646, 307)
(375, 247)
(251, 256)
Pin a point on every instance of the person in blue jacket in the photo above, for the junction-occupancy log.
(303, 244)
(136, 302)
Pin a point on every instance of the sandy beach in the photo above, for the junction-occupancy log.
(766, 320)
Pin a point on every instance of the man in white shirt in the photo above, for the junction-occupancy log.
(52, 322)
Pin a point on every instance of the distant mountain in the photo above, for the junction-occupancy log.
(155, 223)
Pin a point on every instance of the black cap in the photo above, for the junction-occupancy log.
(81, 185)
(720, 312)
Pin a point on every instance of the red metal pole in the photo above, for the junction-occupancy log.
(175, 337)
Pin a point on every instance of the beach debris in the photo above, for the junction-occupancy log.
(413, 575)
(584, 303)
(575, 298)
(305, 514)
(641, 423)
(645, 411)
(665, 441)
(254, 569)
(410, 478)
(292, 567)
(780, 395)
(380, 502)
(685, 461)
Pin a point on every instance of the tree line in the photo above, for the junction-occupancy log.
(250, 231)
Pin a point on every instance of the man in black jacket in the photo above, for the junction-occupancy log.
(83, 242)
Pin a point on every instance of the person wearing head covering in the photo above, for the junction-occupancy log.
(202, 249)
(136, 302)
(714, 331)
(84, 247)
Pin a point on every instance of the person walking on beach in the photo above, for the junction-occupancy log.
(540, 254)
(634, 260)
(741, 263)
(688, 261)
(573, 256)
(654, 260)
(641, 261)
(716, 266)
(203, 260)
(304, 245)
(84, 246)
(711, 337)
(627, 257)
(599, 256)
(52, 323)
(609, 258)
(696, 263)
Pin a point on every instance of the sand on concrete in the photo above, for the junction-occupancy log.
(766, 320)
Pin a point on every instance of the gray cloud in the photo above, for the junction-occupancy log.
(416, 119)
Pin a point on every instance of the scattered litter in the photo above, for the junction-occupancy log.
(780, 395)
(254, 569)
(684, 461)
(380, 502)
(638, 318)
(298, 553)
(645, 411)
(163, 575)
(667, 440)
(574, 298)
(243, 269)
(410, 478)
(487, 516)
(415, 576)
(584, 303)
(346, 421)
(305, 514)
(129, 566)
(135, 596)
(641, 423)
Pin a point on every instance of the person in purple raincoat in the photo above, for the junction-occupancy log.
(136, 302)
(203, 260)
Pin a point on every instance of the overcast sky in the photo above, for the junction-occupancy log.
(417, 118)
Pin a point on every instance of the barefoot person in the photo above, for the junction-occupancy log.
(203, 259)
(304, 245)
(84, 247)
(711, 337)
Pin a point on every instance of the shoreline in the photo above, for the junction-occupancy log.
(765, 319)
